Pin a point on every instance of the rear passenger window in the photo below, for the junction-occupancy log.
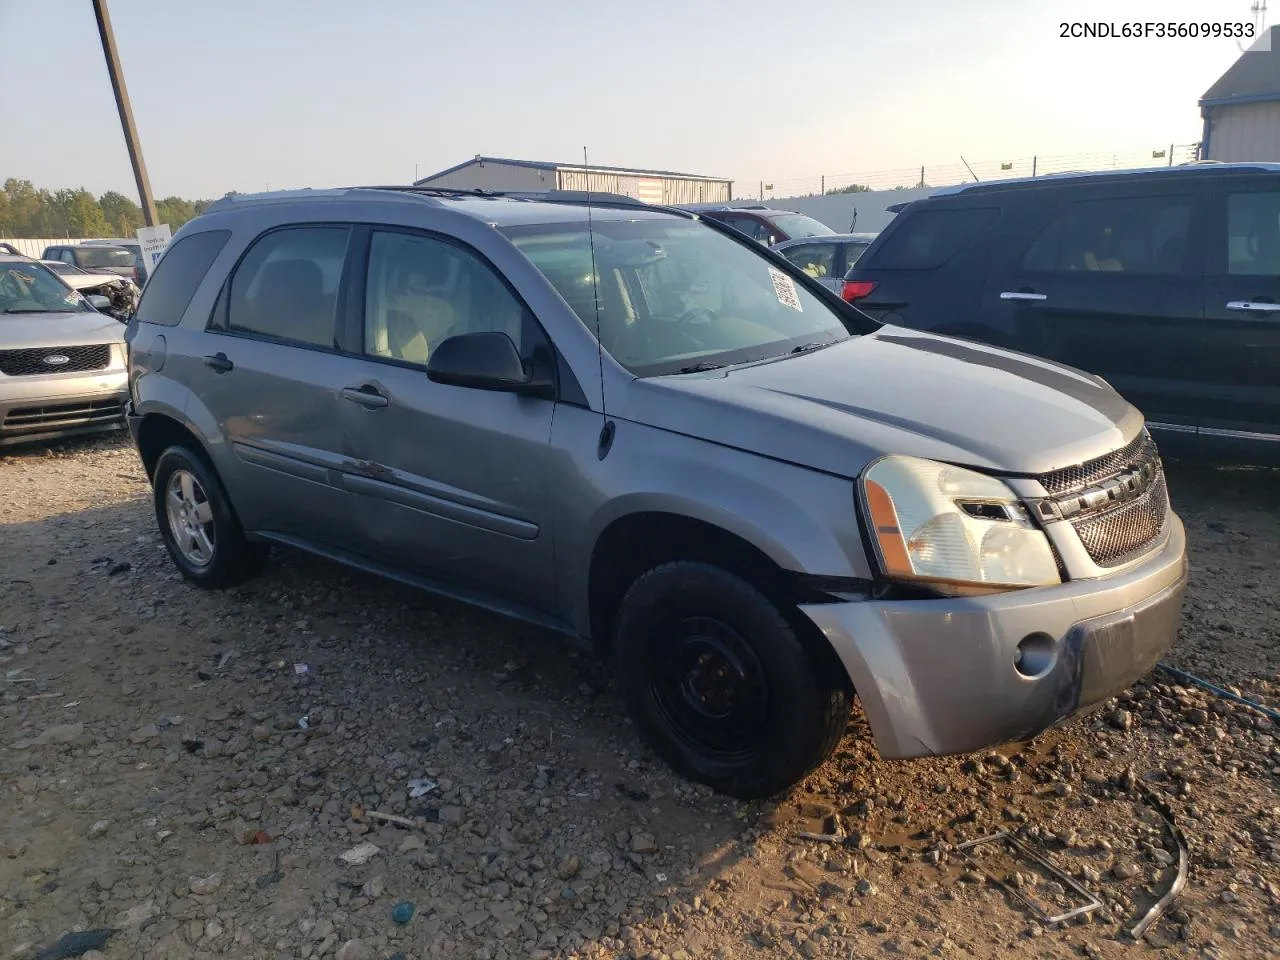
(174, 280)
(1253, 234)
(1143, 235)
(286, 287)
(813, 258)
(929, 238)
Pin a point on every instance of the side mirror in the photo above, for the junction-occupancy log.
(98, 302)
(485, 361)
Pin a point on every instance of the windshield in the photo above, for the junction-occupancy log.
(103, 257)
(62, 269)
(797, 226)
(675, 295)
(31, 288)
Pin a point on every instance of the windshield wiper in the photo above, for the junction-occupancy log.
(701, 367)
(806, 347)
(28, 310)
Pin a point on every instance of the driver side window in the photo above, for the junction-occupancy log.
(421, 291)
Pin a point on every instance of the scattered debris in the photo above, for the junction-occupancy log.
(225, 659)
(76, 944)
(391, 818)
(420, 788)
(1180, 879)
(304, 723)
(1004, 836)
(1219, 692)
(360, 854)
(300, 669)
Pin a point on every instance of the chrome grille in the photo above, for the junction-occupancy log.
(1117, 535)
(30, 362)
(1142, 449)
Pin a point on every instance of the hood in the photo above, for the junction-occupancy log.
(89, 281)
(897, 391)
(25, 331)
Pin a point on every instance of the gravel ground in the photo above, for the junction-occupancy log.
(189, 770)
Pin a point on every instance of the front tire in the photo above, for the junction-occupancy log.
(204, 538)
(720, 685)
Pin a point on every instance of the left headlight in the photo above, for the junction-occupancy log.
(955, 529)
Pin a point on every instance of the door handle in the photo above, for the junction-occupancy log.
(366, 396)
(1253, 306)
(219, 363)
(1022, 296)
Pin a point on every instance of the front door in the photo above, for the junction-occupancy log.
(1109, 283)
(1241, 364)
(268, 370)
(451, 481)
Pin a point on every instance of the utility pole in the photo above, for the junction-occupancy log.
(126, 112)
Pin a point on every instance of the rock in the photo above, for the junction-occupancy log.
(451, 815)
(411, 844)
(374, 887)
(203, 886)
(643, 843)
(145, 734)
(569, 867)
(360, 854)
(1162, 857)
(261, 733)
(213, 930)
(354, 950)
(323, 930)
(120, 566)
(866, 888)
(64, 734)
(138, 915)
(1125, 870)
(99, 828)
(1120, 719)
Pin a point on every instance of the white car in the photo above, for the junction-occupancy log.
(121, 291)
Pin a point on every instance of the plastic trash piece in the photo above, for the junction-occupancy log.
(420, 788)
(301, 668)
(403, 912)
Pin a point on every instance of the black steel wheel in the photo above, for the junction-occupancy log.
(719, 684)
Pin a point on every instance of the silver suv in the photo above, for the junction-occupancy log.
(639, 429)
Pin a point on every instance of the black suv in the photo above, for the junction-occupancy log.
(767, 225)
(1166, 283)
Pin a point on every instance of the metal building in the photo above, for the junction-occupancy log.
(650, 186)
(1242, 110)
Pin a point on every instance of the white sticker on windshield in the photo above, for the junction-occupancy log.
(784, 289)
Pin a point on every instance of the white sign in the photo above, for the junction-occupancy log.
(154, 240)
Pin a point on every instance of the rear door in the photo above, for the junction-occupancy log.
(1241, 360)
(269, 369)
(1107, 279)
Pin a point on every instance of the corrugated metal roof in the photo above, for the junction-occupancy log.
(1252, 78)
(551, 166)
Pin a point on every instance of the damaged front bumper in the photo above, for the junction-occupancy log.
(957, 675)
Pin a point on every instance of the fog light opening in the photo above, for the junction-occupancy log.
(1036, 655)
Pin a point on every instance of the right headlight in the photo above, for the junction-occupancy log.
(956, 529)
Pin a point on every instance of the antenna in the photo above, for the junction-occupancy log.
(1259, 11)
(606, 432)
(967, 167)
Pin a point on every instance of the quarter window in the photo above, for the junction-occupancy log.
(929, 238)
(421, 291)
(1253, 234)
(286, 287)
(173, 283)
(1141, 235)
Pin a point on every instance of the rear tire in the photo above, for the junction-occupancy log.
(720, 685)
(197, 523)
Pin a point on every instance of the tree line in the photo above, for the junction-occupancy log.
(28, 211)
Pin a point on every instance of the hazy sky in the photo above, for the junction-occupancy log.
(239, 94)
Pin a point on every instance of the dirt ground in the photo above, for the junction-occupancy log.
(187, 770)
